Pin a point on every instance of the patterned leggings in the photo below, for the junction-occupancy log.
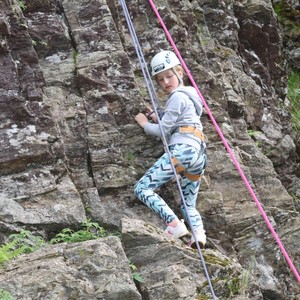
(161, 172)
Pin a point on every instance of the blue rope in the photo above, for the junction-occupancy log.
(154, 98)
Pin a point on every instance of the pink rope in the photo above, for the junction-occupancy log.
(289, 261)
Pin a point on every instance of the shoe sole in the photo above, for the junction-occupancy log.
(194, 245)
(183, 235)
(179, 236)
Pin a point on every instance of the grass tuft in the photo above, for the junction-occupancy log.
(294, 98)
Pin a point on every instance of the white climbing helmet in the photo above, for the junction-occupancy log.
(162, 61)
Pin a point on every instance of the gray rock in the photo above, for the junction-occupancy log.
(70, 85)
(95, 269)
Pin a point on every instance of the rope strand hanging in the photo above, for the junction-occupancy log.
(236, 163)
(153, 98)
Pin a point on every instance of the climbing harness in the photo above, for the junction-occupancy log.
(154, 100)
(180, 169)
(192, 130)
(236, 163)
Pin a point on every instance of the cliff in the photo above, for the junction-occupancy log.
(70, 85)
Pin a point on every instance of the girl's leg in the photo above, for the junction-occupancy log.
(194, 162)
(160, 173)
(190, 191)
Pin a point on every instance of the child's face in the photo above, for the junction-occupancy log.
(168, 80)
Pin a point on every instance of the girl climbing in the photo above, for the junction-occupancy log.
(183, 130)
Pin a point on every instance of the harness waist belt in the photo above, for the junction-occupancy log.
(192, 130)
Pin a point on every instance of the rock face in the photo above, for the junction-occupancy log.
(70, 85)
(89, 270)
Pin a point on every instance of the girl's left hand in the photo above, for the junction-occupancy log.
(141, 119)
(151, 114)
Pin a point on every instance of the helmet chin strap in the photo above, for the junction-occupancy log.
(180, 81)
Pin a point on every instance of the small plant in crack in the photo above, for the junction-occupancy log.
(136, 275)
(19, 243)
(22, 5)
(90, 231)
(75, 55)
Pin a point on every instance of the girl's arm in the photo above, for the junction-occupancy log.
(168, 121)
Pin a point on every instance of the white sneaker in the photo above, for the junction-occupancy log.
(179, 231)
(201, 238)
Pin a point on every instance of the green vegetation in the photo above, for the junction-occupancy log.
(203, 35)
(205, 284)
(238, 285)
(22, 4)
(87, 208)
(23, 242)
(244, 282)
(90, 231)
(294, 97)
(4, 295)
(26, 242)
(75, 55)
(212, 259)
(42, 43)
(253, 133)
(201, 297)
(233, 286)
(130, 156)
(287, 17)
(136, 276)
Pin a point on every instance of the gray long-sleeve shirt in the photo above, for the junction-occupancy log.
(183, 108)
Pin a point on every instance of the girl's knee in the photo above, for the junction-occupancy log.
(137, 189)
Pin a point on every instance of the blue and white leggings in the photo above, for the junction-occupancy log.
(161, 172)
